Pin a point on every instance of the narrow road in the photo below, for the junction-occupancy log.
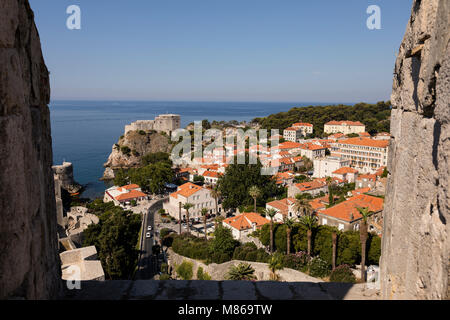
(147, 264)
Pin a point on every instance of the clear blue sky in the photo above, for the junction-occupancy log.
(221, 50)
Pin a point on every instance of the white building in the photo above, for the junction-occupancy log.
(244, 224)
(284, 208)
(324, 167)
(345, 127)
(124, 195)
(162, 123)
(366, 155)
(297, 131)
(190, 193)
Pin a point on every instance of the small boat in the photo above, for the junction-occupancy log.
(74, 194)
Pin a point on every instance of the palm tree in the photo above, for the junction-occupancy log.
(365, 213)
(215, 193)
(330, 181)
(275, 263)
(243, 271)
(334, 238)
(302, 205)
(204, 212)
(271, 213)
(289, 222)
(218, 220)
(309, 221)
(255, 193)
(186, 207)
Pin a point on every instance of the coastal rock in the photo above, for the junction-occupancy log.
(416, 237)
(29, 261)
(128, 151)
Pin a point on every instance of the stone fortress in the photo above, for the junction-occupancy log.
(162, 123)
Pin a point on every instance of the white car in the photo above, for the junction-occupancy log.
(149, 228)
(148, 235)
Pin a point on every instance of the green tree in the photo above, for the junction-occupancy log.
(185, 270)
(120, 178)
(215, 193)
(204, 212)
(310, 222)
(115, 238)
(202, 275)
(270, 212)
(187, 206)
(302, 205)
(275, 263)
(255, 193)
(223, 242)
(289, 223)
(234, 185)
(365, 213)
(243, 271)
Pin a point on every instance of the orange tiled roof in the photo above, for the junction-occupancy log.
(365, 142)
(310, 185)
(289, 145)
(344, 122)
(316, 204)
(364, 134)
(367, 176)
(345, 170)
(302, 124)
(133, 194)
(282, 205)
(212, 174)
(292, 129)
(380, 171)
(186, 190)
(130, 186)
(346, 209)
(244, 221)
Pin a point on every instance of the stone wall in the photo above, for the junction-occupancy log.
(29, 262)
(218, 271)
(415, 245)
(64, 173)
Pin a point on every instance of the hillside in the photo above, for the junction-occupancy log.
(129, 150)
(374, 116)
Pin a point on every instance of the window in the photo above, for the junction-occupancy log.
(324, 221)
(341, 226)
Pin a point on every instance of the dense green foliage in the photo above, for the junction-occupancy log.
(234, 185)
(374, 116)
(151, 178)
(318, 267)
(185, 270)
(249, 252)
(155, 158)
(342, 273)
(223, 244)
(202, 275)
(348, 243)
(115, 238)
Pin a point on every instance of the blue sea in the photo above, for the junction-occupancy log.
(83, 132)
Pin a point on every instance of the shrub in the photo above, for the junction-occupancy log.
(184, 270)
(342, 273)
(164, 267)
(125, 150)
(318, 267)
(141, 132)
(164, 276)
(298, 261)
(164, 232)
(201, 275)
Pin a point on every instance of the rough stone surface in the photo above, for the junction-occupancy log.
(415, 245)
(219, 290)
(150, 142)
(29, 261)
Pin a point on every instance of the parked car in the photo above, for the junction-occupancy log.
(149, 228)
(148, 235)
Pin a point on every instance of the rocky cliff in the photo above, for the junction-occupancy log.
(29, 262)
(128, 151)
(416, 247)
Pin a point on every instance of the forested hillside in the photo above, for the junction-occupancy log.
(374, 116)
